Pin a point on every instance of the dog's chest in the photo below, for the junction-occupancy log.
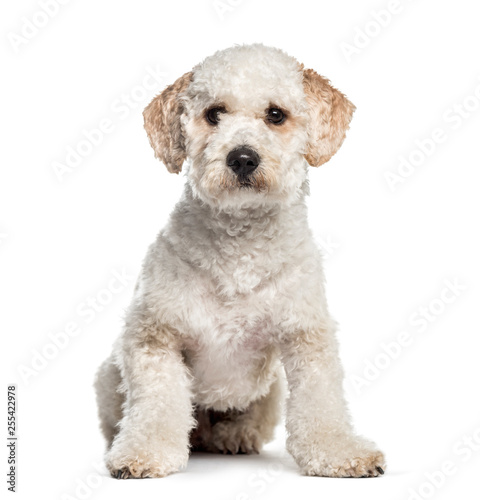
(244, 264)
(231, 366)
(242, 273)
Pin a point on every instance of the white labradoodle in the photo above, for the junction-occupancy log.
(231, 296)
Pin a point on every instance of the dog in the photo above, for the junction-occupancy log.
(229, 312)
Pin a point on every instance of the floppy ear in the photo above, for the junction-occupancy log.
(330, 113)
(162, 123)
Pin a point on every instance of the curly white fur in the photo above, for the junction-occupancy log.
(231, 296)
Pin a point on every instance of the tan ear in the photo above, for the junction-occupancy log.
(163, 126)
(330, 115)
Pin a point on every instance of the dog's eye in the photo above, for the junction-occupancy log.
(213, 115)
(275, 116)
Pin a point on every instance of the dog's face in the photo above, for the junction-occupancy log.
(247, 117)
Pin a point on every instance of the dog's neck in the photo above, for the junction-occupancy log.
(243, 221)
(241, 248)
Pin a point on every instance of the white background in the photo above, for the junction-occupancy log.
(388, 252)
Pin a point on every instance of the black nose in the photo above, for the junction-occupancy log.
(243, 161)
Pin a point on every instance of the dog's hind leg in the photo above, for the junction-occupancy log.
(109, 400)
(237, 431)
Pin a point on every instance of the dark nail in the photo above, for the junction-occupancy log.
(380, 470)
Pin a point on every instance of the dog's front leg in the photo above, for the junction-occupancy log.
(320, 435)
(153, 437)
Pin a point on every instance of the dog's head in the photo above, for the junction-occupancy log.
(247, 117)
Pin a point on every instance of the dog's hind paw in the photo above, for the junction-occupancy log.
(234, 438)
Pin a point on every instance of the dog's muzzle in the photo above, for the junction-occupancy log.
(243, 161)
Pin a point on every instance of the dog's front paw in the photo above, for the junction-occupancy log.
(124, 463)
(334, 456)
(368, 464)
